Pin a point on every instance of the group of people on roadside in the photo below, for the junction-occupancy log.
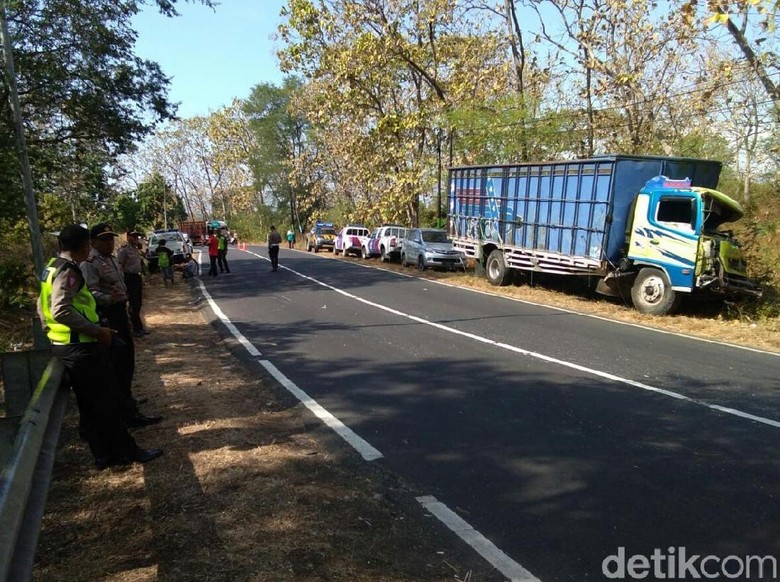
(90, 307)
(218, 248)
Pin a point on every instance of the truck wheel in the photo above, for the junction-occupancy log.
(403, 259)
(421, 263)
(364, 252)
(496, 271)
(652, 293)
(383, 255)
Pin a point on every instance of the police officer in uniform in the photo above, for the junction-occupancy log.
(129, 258)
(106, 281)
(70, 319)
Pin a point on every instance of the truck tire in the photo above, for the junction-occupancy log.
(652, 293)
(383, 255)
(496, 270)
(421, 263)
(364, 253)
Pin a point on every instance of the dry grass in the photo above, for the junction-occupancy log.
(251, 487)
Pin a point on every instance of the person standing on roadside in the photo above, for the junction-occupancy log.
(222, 249)
(165, 261)
(129, 258)
(290, 238)
(106, 282)
(213, 253)
(70, 320)
(274, 240)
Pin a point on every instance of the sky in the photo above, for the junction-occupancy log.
(212, 55)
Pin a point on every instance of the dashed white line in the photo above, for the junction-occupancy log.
(483, 546)
(366, 451)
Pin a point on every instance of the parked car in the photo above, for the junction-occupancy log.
(430, 247)
(350, 239)
(322, 236)
(174, 240)
(385, 242)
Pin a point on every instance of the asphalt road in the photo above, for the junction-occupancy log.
(559, 437)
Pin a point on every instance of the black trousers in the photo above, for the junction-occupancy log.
(222, 261)
(273, 254)
(213, 268)
(97, 396)
(121, 354)
(135, 287)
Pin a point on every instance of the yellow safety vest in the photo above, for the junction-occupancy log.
(83, 302)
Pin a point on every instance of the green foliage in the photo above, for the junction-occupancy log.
(157, 205)
(16, 288)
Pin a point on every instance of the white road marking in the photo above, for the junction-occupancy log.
(538, 356)
(366, 451)
(229, 324)
(483, 546)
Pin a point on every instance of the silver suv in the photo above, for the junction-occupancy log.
(430, 247)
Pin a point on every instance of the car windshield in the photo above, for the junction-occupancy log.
(437, 236)
(172, 236)
(327, 231)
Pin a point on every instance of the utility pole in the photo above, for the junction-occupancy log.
(438, 161)
(21, 144)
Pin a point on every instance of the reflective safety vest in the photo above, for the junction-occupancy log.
(163, 259)
(83, 302)
(221, 243)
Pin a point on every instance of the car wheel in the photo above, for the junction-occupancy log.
(652, 293)
(496, 271)
(403, 259)
(421, 263)
(364, 252)
(383, 255)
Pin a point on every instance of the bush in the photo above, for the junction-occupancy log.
(17, 286)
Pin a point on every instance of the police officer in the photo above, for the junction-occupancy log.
(105, 280)
(70, 319)
(129, 258)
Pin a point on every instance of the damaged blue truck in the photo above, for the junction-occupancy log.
(648, 227)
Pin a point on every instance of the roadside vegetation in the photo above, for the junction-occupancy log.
(378, 99)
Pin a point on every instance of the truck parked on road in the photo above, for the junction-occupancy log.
(642, 225)
(196, 230)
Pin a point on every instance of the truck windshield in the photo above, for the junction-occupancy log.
(438, 236)
(716, 214)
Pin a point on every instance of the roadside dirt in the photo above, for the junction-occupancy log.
(251, 487)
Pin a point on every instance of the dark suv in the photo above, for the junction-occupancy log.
(322, 236)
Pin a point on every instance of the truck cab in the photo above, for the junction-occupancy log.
(675, 245)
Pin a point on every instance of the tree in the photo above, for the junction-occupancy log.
(280, 139)
(159, 207)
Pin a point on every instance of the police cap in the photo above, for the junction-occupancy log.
(101, 230)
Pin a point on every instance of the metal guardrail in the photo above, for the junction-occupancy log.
(24, 481)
